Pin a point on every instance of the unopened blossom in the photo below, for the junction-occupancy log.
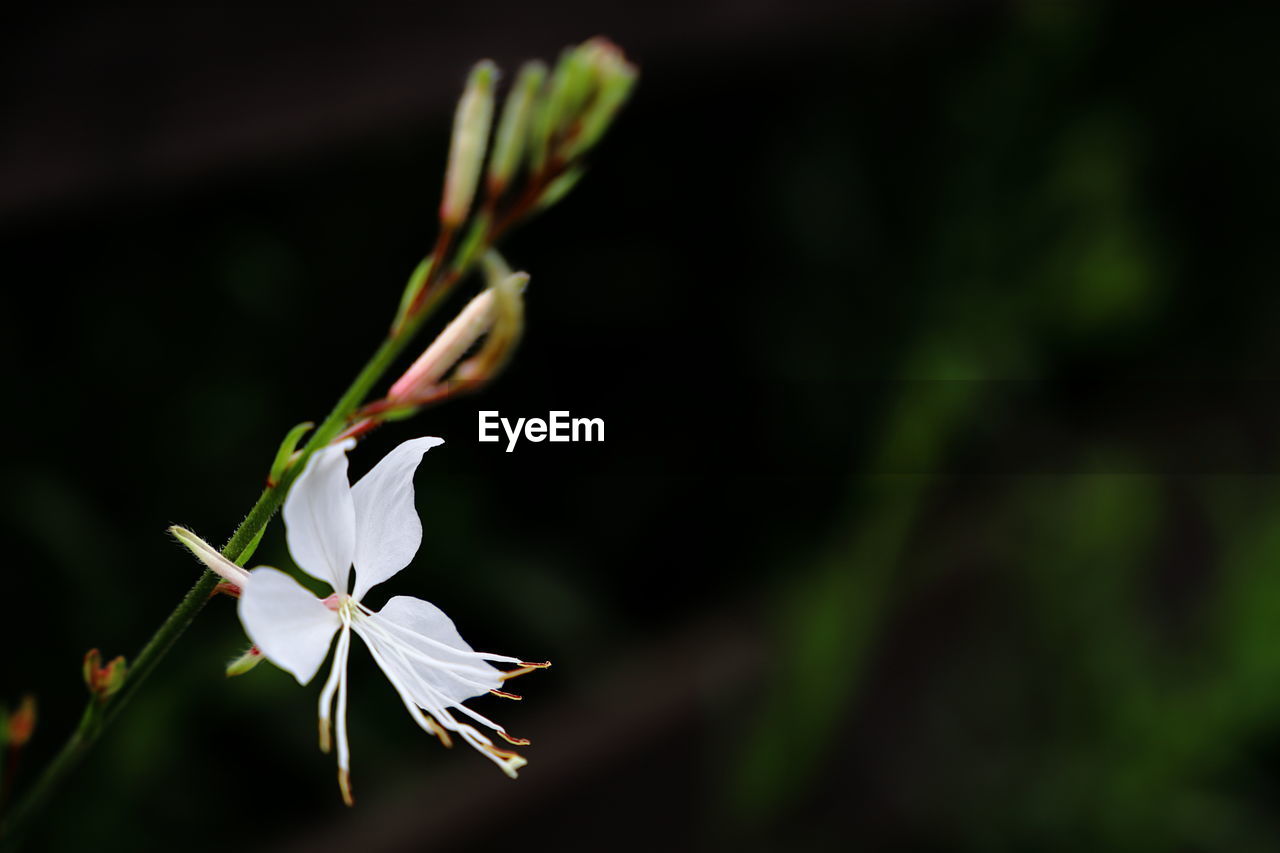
(373, 525)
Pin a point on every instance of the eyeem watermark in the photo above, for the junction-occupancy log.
(557, 427)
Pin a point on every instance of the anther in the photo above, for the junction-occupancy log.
(514, 741)
(438, 731)
(344, 783)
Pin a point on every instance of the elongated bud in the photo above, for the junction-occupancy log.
(614, 79)
(103, 681)
(569, 88)
(470, 139)
(551, 110)
(22, 723)
(90, 666)
(450, 345)
(247, 661)
(209, 555)
(508, 325)
(513, 128)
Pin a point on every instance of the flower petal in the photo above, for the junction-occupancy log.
(457, 674)
(291, 626)
(388, 531)
(319, 518)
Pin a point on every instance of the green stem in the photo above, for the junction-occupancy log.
(98, 714)
(239, 548)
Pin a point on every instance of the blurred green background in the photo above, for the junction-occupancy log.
(938, 506)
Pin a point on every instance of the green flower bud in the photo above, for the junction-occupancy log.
(513, 128)
(470, 141)
(247, 661)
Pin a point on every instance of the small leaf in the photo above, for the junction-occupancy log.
(417, 279)
(285, 453)
(560, 187)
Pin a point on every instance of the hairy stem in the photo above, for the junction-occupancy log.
(238, 549)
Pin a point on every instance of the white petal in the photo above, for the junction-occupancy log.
(457, 674)
(319, 519)
(388, 531)
(291, 626)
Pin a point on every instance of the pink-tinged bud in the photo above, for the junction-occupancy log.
(508, 325)
(22, 722)
(470, 141)
(450, 345)
(89, 668)
(212, 559)
(103, 681)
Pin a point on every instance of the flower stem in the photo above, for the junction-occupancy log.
(98, 714)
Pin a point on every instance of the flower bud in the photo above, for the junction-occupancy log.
(212, 559)
(247, 661)
(569, 84)
(103, 681)
(615, 78)
(508, 325)
(470, 140)
(22, 723)
(450, 345)
(513, 128)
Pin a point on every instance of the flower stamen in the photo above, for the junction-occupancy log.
(344, 784)
(330, 687)
(377, 627)
(424, 720)
(344, 751)
(510, 762)
(524, 669)
(437, 705)
(515, 741)
(488, 656)
(439, 731)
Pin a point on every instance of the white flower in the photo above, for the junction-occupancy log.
(330, 526)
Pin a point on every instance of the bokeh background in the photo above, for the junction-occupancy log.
(938, 506)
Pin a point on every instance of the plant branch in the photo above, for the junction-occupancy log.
(98, 713)
(580, 98)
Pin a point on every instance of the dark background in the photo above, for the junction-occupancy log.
(936, 348)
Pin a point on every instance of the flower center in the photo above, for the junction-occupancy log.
(342, 604)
